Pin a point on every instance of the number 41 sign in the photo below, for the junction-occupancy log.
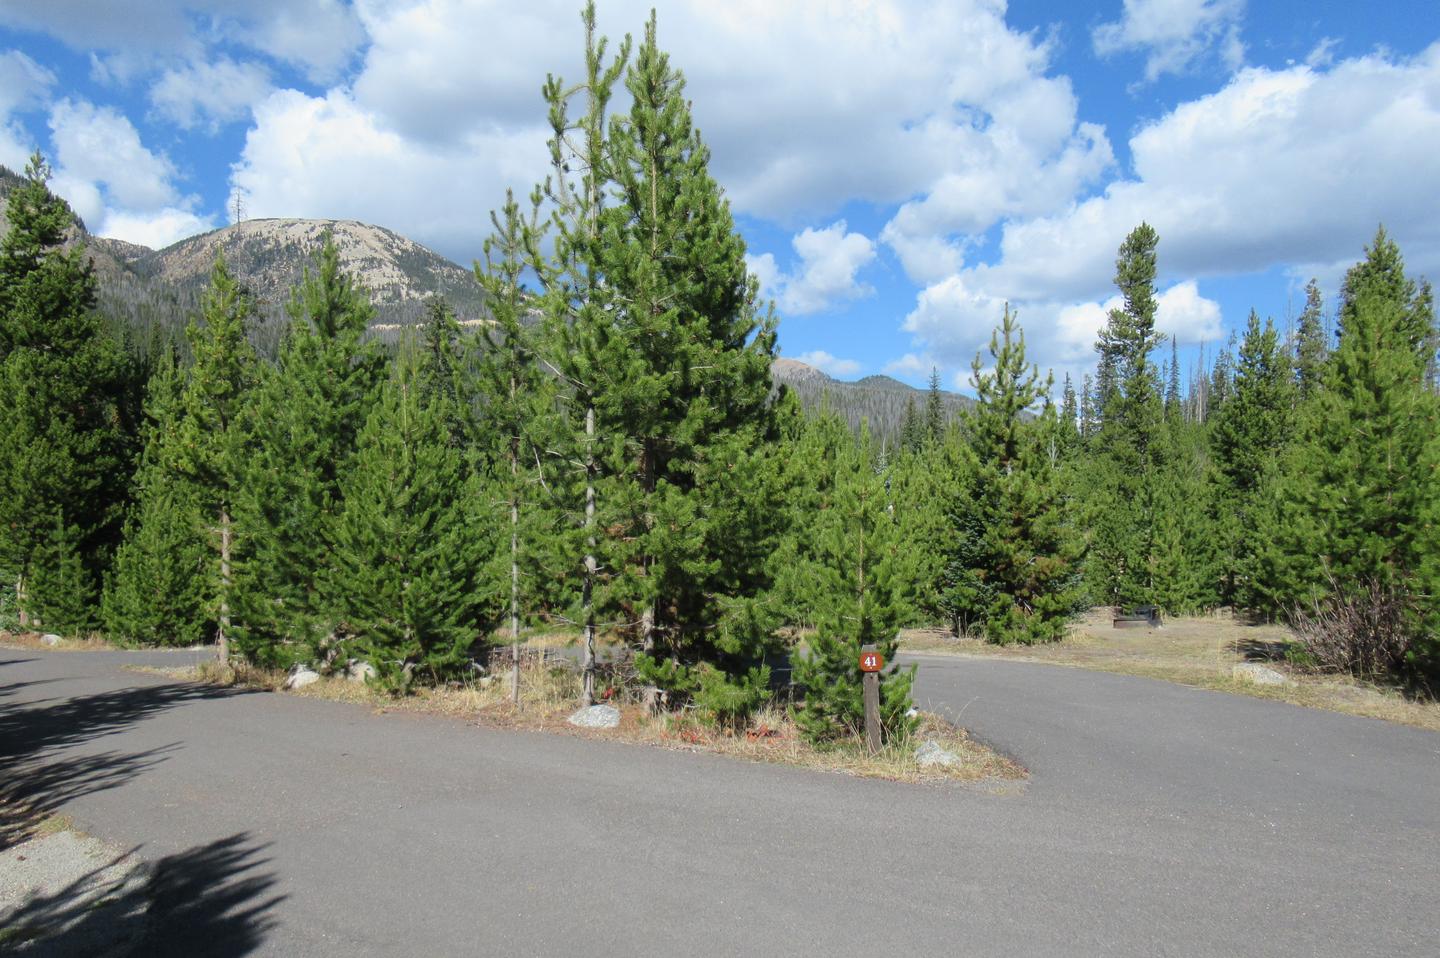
(871, 661)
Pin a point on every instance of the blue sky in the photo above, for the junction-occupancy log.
(900, 168)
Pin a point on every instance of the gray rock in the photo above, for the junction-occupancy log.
(1260, 674)
(359, 672)
(51, 639)
(302, 678)
(596, 716)
(930, 753)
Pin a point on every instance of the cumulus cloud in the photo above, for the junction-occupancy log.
(829, 364)
(1174, 34)
(1279, 167)
(912, 365)
(318, 36)
(829, 260)
(215, 92)
(117, 185)
(23, 82)
(328, 157)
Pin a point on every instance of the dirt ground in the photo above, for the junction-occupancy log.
(1202, 651)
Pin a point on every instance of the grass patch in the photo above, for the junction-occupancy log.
(1199, 651)
(550, 693)
(35, 641)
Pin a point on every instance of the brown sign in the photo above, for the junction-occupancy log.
(871, 661)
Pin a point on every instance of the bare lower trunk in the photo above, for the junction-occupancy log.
(223, 636)
(514, 600)
(587, 695)
(20, 600)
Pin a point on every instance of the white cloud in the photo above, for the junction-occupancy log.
(912, 365)
(1183, 314)
(1174, 34)
(118, 186)
(218, 92)
(829, 364)
(1290, 167)
(23, 82)
(328, 157)
(829, 261)
(155, 228)
(318, 36)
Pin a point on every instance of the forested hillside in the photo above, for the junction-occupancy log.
(609, 450)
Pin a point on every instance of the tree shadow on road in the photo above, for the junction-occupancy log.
(39, 776)
(29, 730)
(210, 900)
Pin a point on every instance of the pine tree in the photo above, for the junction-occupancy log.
(517, 401)
(410, 543)
(64, 390)
(1131, 443)
(155, 592)
(301, 428)
(1360, 486)
(1247, 438)
(934, 409)
(1311, 348)
(858, 570)
(913, 434)
(664, 351)
(1016, 562)
(209, 430)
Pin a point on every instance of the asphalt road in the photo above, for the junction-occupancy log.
(1159, 820)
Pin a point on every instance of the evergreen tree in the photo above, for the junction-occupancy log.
(1311, 348)
(410, 543)
(934, 409)
(1247, 439)
(155, 593)
(858, 571)
(1132, 440)
(667, 356)
(1360, 486)
(913, 434)
(301, 428)
(517, 400)
(209, 429)
(1015, 571)
(64, 393)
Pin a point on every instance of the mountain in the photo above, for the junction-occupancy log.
(151, 295)
(880, 400)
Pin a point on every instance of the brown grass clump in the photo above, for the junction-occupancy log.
(32, 640)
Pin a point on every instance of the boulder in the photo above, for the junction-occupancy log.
(1260, 674)
(359, 672)
(930, 754)
(302, 678)
(596, 716)
(50, 639)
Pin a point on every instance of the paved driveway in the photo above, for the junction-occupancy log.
(1159, 820)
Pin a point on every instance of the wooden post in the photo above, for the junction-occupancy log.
(870, 684)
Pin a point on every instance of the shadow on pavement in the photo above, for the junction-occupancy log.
(37, 777)
(211, 900)
(30, 731)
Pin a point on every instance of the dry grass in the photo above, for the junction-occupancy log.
(550, 693)
(32, 640)
(1200, 651)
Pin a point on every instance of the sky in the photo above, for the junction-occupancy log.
(900, 169)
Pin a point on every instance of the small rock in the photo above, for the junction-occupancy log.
(359, 672)
(51, 639)
(930, 753)
(486, 681)
(596, 716)
(1260, 674)
(302, 678)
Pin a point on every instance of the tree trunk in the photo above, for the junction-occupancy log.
(587, 695)
(20, 600)
(223, 636)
